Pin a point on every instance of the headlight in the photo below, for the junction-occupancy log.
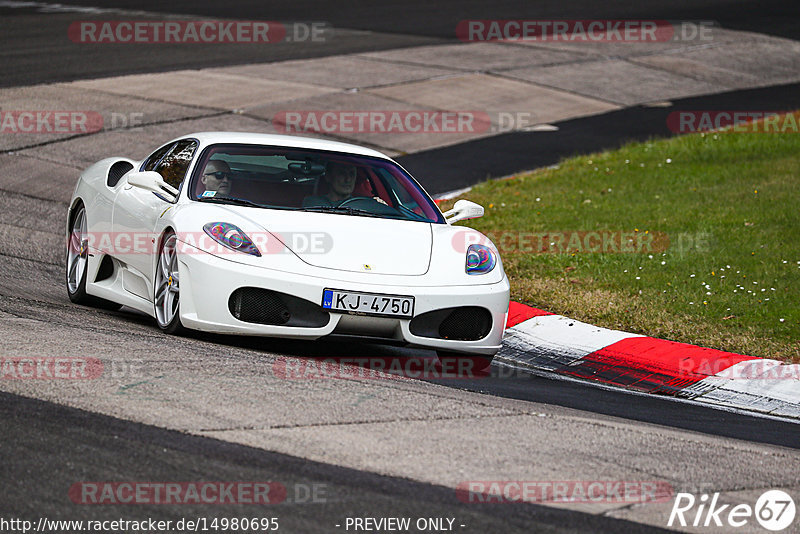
(480, 259)
(229, 235)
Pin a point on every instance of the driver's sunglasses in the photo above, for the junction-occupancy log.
(220, 175)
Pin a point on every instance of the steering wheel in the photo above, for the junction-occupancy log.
(352, 199)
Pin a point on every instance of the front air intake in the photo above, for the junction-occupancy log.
(264, 306)
(466, 324)
(261, 306)
(469, 323)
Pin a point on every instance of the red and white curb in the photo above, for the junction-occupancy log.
(540, 340)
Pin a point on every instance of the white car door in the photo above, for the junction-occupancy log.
(136, 212)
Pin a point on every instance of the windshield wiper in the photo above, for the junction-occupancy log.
(341, 209)
(230, 200)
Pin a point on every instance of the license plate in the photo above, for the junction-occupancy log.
(368, 303)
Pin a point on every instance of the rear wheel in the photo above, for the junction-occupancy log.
(465, 365)
(77, 263)
(167, 287)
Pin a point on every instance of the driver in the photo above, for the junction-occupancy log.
(217, 177)
(341, 180)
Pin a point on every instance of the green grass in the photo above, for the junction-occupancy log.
(729, 204)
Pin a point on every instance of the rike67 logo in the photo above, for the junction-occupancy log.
(774, 510)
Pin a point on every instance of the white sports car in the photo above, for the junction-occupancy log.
(284, 236)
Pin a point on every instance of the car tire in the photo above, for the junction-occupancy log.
(77, 255)
(478, 365)
(166, 287)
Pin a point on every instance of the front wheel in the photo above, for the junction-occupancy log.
(167, 287)
(465, 365)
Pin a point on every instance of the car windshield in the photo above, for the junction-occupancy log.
(310, 180)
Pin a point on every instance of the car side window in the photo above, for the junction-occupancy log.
(174, 165)
(155, 157)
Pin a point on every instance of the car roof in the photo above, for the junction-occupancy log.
(210, 138)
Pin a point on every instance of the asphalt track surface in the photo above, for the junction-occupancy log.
(46, 447)
(76, 445)
(26, 34)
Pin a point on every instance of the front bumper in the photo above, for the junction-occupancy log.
(207, 282)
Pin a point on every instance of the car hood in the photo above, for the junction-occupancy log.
(345, 242)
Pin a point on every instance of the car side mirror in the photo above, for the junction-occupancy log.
(152, 181)
(462, 210)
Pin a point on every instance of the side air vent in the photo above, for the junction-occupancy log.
(263, 306)
(117, 171)
(106, 269)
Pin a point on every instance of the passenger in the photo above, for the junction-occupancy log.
(217, 177)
